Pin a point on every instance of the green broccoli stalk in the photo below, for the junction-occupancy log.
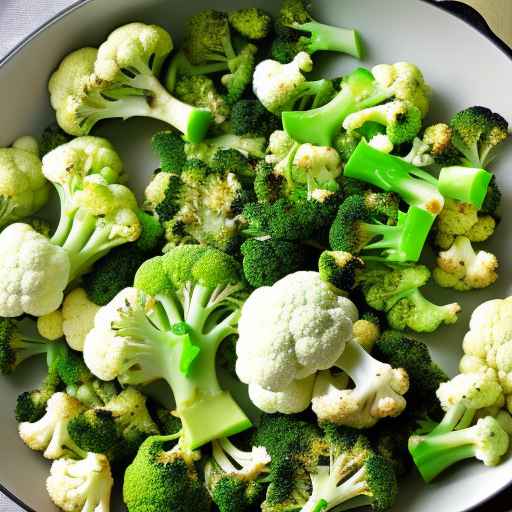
(119, 80)
(234, 477)
(208, 41)
(456, 437)
(416, 186)
(359, 90)
(196, 290)
(477, 131)
(357, 229)
(395, 290)
(295, 21)
(265, 261)
(164, 479)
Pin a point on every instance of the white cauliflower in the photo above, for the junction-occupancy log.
(50, 326)
(295, 398)
(81, 485)
(50, 433)
(291, 330)
(103, 349)
(34, 272)
(377, 393)
(277, 85)
(78, 314)
(461, 268)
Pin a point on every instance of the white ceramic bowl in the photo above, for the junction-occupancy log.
(463, 67)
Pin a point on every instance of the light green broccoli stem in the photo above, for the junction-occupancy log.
(89, 239)
(327, 493)
(465, 184)
(334, 39)
(426, 308)
(207, 412)
(318, 89)
(67, 212)
(26, 346)
(451, 441)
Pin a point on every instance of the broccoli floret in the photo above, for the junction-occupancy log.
(353, 471)
(200, 91)
(477, 131)
(492, 200)
(268, 185)
(454, 439)
(52, 137)
(247, 145)
(357, 228)
(346, 143)
(160, 479)
(438, 138)
(170, 148)
(295, 21)
(340, 269)
(294, 446)
(234, 477)
(461, 268)
(250, 117)
(112, 273)
(200, 204)
(281, 87)
(197, 302)
(401, 119)
(252, 23)
(287, 220)
(396, 291)
(425, 376)
(167, 422)
(119, 80)
(266, 261)
(232, 161)
(208, 40)
(359, 90)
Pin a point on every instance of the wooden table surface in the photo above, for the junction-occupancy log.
(498, 14)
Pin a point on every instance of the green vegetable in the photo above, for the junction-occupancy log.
(252, 23)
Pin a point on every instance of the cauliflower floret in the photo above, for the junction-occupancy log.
(34, 272)
(293, 399)
(366, 333)
(482, 229)
(316, 166)
(103, 349)
(276, 84)
(50, 326)
(81, 485)
(461, 268)
(78, 314)
(23, 188)
(472, 390)
(382, 143)
(50, 433)
(378, 390)
(291, 330)
(490, 441)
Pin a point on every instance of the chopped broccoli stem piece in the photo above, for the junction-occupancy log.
(465, 184)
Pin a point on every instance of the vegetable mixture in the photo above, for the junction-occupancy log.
(278, 245)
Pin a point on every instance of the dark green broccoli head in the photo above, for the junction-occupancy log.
(9, 338)
(200, 91)
(402, 351)
(231, 160)
(250, 117)
(267, 261)
(113, 273)
(381, 483)
(268, 185)
(477, 131)
(72, 369)
(232, 494)
(166, 421)
(252, 23)
(159, 480)
(152, 233)
(52, 137)
(241, 69)
(340, 269)
(31, 405)
(287, 220)
(383, 206)
(94, 430)
(492, 199)
(170, 148)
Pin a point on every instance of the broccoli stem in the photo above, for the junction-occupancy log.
(66, 216)
(334, 39)
(6, 210)
(320, 125)
(425, 307)
(466, 184)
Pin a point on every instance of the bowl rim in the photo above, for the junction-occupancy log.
(60, 15)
